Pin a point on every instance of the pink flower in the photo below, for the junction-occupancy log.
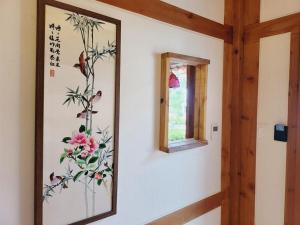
(98, 176)
(69, 152)
(79, 139)
(92, 144)
(91, 147)
(84, 154)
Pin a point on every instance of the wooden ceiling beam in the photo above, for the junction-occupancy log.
(277, 26)
(168, 13)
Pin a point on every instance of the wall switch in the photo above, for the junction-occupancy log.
(214, 131)
(281, 132)
(215, 128)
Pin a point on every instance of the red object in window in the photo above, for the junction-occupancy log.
(173, 81)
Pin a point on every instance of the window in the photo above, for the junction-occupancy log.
(178, 105)
(183, 102)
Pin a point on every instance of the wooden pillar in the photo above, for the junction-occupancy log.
(233, 60)
(248, 119)
(240, 90)
(233, 56)
(292, 196)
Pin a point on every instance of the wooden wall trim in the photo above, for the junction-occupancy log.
(191, 212)
(292, 204)
(171, 14)
(272, 27)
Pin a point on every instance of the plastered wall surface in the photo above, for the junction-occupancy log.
(272, 9)
(151, 183)
(272, 109)
(212, 9)
(207, 218)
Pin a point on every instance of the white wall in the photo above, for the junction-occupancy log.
(272, 109)
(207, 218)
(272, 9)
(151, 183)
(212, 9)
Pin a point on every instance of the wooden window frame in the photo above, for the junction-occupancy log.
(190, 110)
(201, 73)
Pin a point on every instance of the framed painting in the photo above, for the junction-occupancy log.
(77, 115)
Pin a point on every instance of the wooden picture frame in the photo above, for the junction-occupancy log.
(110, 162)
(198, 98)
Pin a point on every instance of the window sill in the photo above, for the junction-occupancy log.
(184, 145)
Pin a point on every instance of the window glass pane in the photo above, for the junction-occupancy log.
(177, 106)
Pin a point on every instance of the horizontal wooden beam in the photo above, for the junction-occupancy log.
(171, 14)
(190, 60)
(272, 27)
(191, 212)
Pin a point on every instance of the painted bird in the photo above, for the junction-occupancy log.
(82, 64)
(55, 180)
(83, 114)
(95, 98)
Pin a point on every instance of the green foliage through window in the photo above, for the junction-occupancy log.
(177, 106)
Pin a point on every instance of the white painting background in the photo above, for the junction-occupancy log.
(60, 120)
